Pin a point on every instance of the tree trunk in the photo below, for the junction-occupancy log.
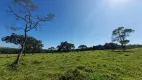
(123, 50)
(24, 52)
(123, 47)
(22, 49)
(18, 56)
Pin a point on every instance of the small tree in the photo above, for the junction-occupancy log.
(24, 13)
(120, 35)
(82, 47)
(65, 47)
(51, 48)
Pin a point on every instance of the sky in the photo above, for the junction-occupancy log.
(88, 22)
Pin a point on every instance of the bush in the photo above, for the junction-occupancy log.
(37, 62)
(73, 75)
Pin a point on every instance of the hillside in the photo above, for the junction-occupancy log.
(93, 65)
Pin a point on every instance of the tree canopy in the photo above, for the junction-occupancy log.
(111, 46)
(120, 35)
(82, 47)
(65, 47)
(31, 45)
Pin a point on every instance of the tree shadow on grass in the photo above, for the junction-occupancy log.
(13, 67)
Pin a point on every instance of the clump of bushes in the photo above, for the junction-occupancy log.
(84, 69)
(126, 55)
(80, 67)
(73, 75)
(37, 62)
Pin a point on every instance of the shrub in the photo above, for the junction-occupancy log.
(73, 75)
(80, 67)
(37, 62)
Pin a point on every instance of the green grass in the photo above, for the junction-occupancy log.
(94, 65)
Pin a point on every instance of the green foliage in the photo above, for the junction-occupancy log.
(112, 46)
(73, 75)
(4, 50)
(120, 35)
(32, 44)
(83, 47)
(98, 47)
(65, 47)
(13, 38)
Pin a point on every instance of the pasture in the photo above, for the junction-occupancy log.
(87, 65)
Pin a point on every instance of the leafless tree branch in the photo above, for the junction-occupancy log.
(17, 16)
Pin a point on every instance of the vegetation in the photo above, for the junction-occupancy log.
(5, 50)
(32, 44)
(112, 46)
(83, 47)
(65, 47)
(106, 46)
(88, 65)
(25, 13)
(99, 62)
(120, 35)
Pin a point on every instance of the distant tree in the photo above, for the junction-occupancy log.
(120, 35)
(6, 50)
(24, 12)
(32, 44)
(98, 47)
(130, 46)
(82, 47)
(112, 46)
(51, 48)
(107, 46)
(65, 47)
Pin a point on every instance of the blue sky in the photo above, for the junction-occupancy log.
(88, 22)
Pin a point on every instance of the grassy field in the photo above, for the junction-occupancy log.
(87, 65)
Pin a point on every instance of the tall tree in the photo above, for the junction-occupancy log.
(24, 13)
(65, 47)
(120, 35)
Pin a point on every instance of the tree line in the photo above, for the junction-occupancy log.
(106, 46)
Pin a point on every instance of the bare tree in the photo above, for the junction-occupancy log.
(24, 11)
